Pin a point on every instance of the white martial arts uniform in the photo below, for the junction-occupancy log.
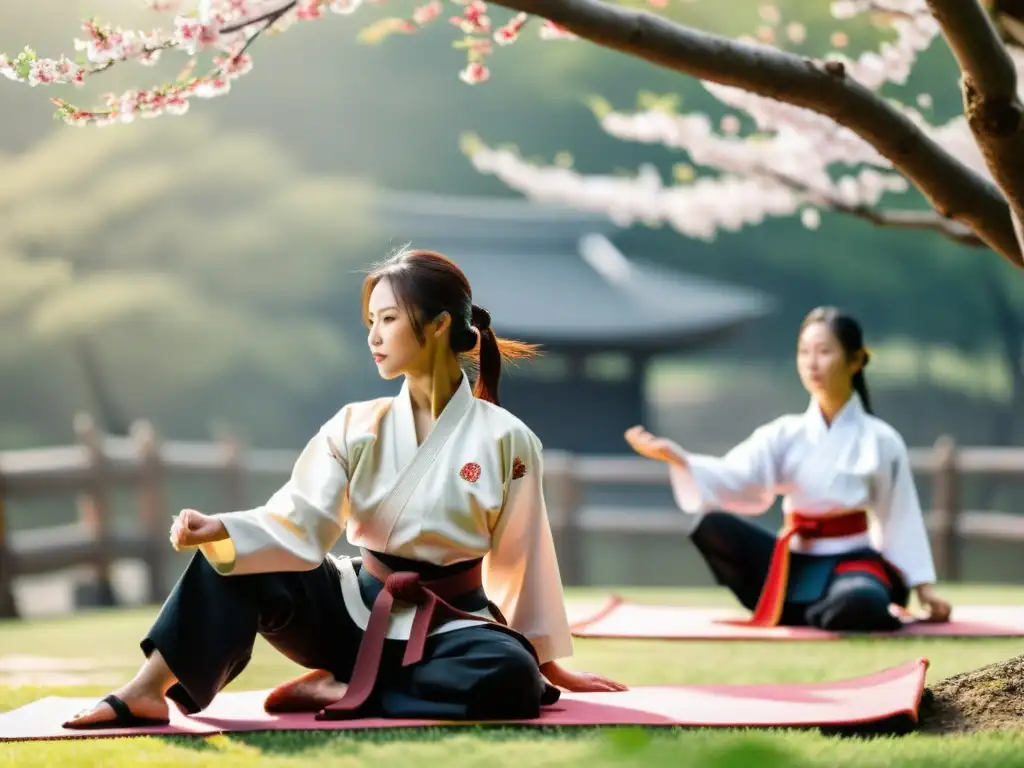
(859, 462)
(473, 489)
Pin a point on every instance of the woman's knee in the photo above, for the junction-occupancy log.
(513, 685)
(857, 605)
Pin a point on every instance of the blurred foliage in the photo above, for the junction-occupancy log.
(194, 263)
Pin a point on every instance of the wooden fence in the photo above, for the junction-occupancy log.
(98, 465)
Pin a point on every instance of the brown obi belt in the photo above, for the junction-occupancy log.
(432, 598)
(773, 593)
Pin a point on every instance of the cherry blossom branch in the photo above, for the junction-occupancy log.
(784, 93)
(994, 111)
(270, 17)
(225, 26)
(892, 219)
(700, 207)
(694, 207)
(951, 188)
(924, 220)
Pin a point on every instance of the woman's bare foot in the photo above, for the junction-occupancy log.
(309, 693)
(143, 703)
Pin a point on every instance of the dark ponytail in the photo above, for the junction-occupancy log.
(489, 355)
(428, 284)
(851, 337)
(860, 386)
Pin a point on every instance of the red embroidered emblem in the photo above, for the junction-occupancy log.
(518, 468)
(470, 472)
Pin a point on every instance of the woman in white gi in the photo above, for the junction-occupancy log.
(833, 464)
(454, 609)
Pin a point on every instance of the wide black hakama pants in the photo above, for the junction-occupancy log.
(738, 552)
(209, 623)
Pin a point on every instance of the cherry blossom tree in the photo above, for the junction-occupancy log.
(801, 155)
(820, 133)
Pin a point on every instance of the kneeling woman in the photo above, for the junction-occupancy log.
(440, 488)
(833, 464)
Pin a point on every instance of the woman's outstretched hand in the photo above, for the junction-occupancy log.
(191, 528)
(579, 682)
(653, 447)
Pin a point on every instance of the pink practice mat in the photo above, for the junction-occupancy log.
(621, 619)
(877, 701)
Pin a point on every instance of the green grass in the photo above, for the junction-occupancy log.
(110, 639)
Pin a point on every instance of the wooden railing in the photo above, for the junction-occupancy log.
(98, 465)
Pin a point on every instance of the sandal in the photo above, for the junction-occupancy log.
(123, 718)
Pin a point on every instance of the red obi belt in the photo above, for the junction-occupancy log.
(773, 593)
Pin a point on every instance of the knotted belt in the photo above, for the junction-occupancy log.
(431, 598)
(773, 593)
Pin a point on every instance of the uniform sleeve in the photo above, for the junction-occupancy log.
(903, 535)
(745, 481)
(298, 525)
(521, 574)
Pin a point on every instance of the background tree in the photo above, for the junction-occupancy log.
(162, 267)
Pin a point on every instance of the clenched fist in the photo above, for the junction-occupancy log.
(191, 528)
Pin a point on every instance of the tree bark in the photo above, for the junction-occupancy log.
(989, 83)
(953, 189)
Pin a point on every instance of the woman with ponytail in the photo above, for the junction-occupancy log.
(838, 468)
(453, 609)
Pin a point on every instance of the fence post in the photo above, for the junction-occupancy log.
(153, 514)
(94, 509)
(567, 495)
(234, 472)
(8, 605)
(946, 501)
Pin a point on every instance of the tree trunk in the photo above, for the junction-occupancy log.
(112, 418)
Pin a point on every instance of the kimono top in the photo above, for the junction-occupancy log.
(858, 462)
(472, 489)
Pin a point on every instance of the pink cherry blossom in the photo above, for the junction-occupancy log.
(225, 27)
(551, 31)
(509, 33)
(474, 19)
(474, 73)
(425, 14)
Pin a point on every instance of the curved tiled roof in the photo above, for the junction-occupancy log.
(553, 276)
